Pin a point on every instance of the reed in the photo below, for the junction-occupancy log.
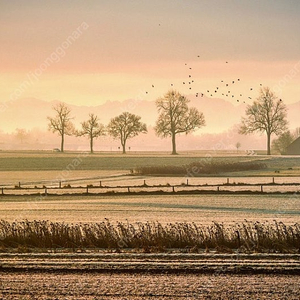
(245, 237)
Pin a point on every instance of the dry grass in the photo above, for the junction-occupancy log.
(151, 236)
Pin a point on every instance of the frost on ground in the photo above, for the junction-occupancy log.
(47, 285)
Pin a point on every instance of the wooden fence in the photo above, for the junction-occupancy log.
(144, 188)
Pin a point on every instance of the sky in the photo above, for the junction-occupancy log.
(89, 52)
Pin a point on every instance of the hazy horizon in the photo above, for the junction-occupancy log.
(87, 53)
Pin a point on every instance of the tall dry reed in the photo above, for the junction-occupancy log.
(246, 236)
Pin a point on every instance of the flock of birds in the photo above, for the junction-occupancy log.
(222, 89)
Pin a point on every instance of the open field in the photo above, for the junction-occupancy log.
(30, 161)
(138, 275)
(46, 161)
(47, 285)
(202, 209)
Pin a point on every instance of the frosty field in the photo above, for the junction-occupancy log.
(84, 286)
(201, 209)
(76, 274)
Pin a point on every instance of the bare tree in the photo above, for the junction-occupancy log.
(61, 123)
(266, 114)
(297, 133)
(92, 129)
(176, 117)
(237, 146)
(126, 126)
(22, 134)
(282, 142)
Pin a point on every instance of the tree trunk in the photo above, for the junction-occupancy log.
(173, 144)
(124, 148)
(269, 143)
(91, 145)
(62, 143)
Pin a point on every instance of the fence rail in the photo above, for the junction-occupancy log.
(144, 188)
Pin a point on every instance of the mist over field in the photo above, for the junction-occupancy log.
(97, 98)
(24, 126)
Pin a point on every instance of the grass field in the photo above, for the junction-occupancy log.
(202, 209)
(39, 161)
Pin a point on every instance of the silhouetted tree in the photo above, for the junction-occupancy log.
(266, 114)
(282, 142)
(92, 129)
(126, 126)
(61, 123)
(176, 117)
(237, 146)
(21, 134)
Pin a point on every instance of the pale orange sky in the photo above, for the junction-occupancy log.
(88, 52)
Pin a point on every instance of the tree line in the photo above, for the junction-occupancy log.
(267, 114)
(174, 117)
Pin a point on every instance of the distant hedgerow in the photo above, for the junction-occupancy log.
(200, 168)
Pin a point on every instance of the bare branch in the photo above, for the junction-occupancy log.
(266, 114)
(176, 117)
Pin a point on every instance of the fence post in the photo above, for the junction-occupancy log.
(19, 184)
(187, 182)
(2, 191)
(59, 184)
(261, 188)
(128, 189)
(87, 189)
(273, 180)
(227, 180)
(218, 188)
(100, 183)
(173, 189)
